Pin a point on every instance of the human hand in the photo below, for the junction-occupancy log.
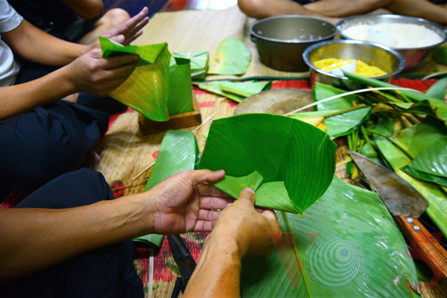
(253, 232)
(96, 75)
(131, 29)
(184, 203)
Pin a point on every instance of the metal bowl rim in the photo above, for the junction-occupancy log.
(262, 37)
(395, 16)
(398, 55)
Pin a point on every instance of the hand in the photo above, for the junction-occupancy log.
(131, 29)
(185, 203)
(241, 225)
(96, 75)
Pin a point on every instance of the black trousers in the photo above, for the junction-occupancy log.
(105, 272)
(47, 141)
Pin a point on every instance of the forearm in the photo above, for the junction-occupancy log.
(218, 271)
(425, 9)
(33, 239)
(86, 9)
(36, 45)
(266, 8)
(20, 98)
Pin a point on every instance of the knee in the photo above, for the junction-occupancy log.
(115, 17)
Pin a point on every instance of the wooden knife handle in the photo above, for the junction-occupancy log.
(425, 245)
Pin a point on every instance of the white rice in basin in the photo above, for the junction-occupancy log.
(394, 35)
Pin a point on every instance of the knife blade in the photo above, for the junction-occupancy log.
(406, 204)
(185, 262)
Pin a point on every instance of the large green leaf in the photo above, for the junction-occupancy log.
(178, 152)
(180, 87)
(280, 149)
(433, 159)
(437, 210)
(346, 123)
(348, 245)
(232, 57)
(199, 63)
(147, 88)
(236, 91)
(438, 89)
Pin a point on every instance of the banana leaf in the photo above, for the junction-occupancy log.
(414, 95)
(178, 152)
(424, 176)
(147, 88)
(434, 108)
(345, 123)
(439, 54)
(199, 63)
(438, 90)
(236, 91)
(232, 57)
(293, 158)
(437, 210)
(433, 159)
(347, 246)
(180, 87)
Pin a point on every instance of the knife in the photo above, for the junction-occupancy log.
(185, 263)
(406, 204)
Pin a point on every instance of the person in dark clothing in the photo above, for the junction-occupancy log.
(42, 133)
(434, 10)
(72, 20)
(70, 239)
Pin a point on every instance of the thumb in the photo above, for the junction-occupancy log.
(247, 194)
(202, 176)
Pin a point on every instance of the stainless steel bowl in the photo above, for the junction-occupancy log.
(413, 56)
(373, 54)
(281, 40)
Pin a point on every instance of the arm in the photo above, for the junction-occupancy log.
(33, 239)
(240, 231)
(266, 8)
(86, 9)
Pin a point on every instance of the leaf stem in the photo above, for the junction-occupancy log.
(395, 142)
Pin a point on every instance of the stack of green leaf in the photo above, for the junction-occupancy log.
(199, 63)
(288, 163)
(403, 129)
(236, 91)
(157, 88)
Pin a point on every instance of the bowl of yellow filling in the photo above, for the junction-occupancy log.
(328, 60)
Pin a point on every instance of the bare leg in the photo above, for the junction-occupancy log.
(111, 19)
(344, 8)
(419, 8)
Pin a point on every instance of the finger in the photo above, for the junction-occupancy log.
(202, 176)
(208, 215)
(203, 226)
(118, 38)
(138, 27)
(131, 39)
(269, 214)
(211, 191)
(120, 61)
(132, 22)
(247, 194)
(214, 202)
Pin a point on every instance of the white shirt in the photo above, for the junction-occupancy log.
(9, 20)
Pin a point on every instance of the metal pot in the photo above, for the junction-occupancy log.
(373, 54)
(413, 56)
(281, 40)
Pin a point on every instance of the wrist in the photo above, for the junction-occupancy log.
(143, 212)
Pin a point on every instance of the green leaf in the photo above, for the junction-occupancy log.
(433, 159)
(424, 176)
(348, 246)
(437, 210)
(199, 63)
(323, 91)
(439, 54)
(346, 123)
(178, 152)
(180, 87)
(234, 185)
(147, 88)
(232, 57)
(236, 91)
(281, 149)
(439, 89)
(414, 95)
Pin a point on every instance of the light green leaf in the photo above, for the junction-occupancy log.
(323, 91)
(232, 57)
(234, 185)
(348, 245)
(281, 149)
(214, 87)
(147, 88)
(433, 159)
(245, 89)
(178, 152)
(199, 63)
(180, 87)
(346, 123)
(438, 89)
